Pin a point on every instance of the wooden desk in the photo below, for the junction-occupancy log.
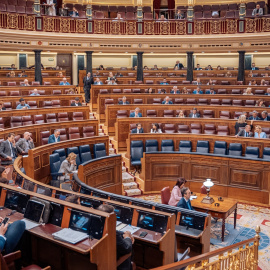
(222, 211)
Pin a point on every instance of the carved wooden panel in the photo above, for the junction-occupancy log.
(165, 170)
(201, 172)
(37, 163)
(45, 159)
(245, 178)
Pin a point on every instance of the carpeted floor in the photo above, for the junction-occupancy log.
(248, 217)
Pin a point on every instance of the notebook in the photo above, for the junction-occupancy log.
(70, 236)
(33, 214)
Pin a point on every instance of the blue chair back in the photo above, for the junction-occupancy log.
(136, 152)
(151, 146)
(185, 146)
(202, 147)
(235, 149)
(85, 153)
(252, 152)
(62, 154)
(55, 163)
(167, 145)
(75, 150)
(220, 148)
(266, 153)
(99, 150)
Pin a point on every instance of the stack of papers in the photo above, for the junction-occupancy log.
(70, 236)
(193, 197)
(129, 228)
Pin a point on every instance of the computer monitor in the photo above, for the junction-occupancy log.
(61, 195)
(190, 220)
(44, 190)
(56, 214)
(152, 222)
(123, 213)
(80, 221)
(28, 185)
(96, 226)
(90, 202)
(16, 201)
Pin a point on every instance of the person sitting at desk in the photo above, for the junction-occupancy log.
(2, 108)
(24, 144)
(123, 101)
(22, 105)
(23, 74)
(185, 200)
(68, 166)
(197, 91)
(136, 113)
(35, 93)
(265, 116)
(267, 92)
(11, 74)
(74, 13)
(176, 194)
(10, 235)
(175, 90)
(179, 15)
(178, 65)
(259, 133)
(252, 82)
(112, 82)
(253, 67)
(155, 128)
(138, 129)
(197, 82)
(98, 81)
(258, 11)
(64, 82)
(198, 67)
(254, 116)
(77, 102)
(8, 150)
(167, 101)
(181, 114)
(54, 137)
(118, 17)
(210, 92)
(164, 82)
(25, 83)
(194, 113)
(248, 91)
(209, 67)
(245, 132)
(4, 176)
(124, 241)
(241, 122)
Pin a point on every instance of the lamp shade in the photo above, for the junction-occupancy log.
(208, 183)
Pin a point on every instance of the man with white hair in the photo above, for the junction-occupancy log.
(64, 82)
(24, 144)
(25, 83)
(35, 92)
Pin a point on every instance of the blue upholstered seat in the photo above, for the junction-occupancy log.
(99, 150)
(151, 146)
(85, 153)
(202, 147)
(220, 148)
(185, 146)
(167, 145)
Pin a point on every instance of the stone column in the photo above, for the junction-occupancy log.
(190, 66)
(38, 74)
(139, 66)
(241, 66)
(89, 61)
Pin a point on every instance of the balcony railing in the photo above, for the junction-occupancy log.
(133, 27)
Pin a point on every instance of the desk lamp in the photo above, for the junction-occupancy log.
(208, 184)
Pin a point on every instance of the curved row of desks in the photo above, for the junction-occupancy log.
(31, 72)
(36, 129)
(235, 177)
(123, 126)
(111, 111)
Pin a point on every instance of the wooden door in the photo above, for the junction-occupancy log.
(64, 60)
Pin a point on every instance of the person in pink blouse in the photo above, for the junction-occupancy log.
(176, 194)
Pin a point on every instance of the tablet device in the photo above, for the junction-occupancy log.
(34, 211)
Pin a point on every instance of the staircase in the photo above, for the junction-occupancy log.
(130, 186)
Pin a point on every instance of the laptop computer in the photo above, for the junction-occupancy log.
(33, 214)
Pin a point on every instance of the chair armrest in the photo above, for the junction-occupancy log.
(122, 259)
(11, 257)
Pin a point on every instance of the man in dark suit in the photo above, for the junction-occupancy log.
(124, 241)
(123, 101)
(185, 200)
(167, 101)
(265, 116)
(138, 129)
(178, 65)
(175, 90)
(77, 102)
(87, 83)
(54, 137)
(254, 116)
(136, 113)
(198, 67)
(245, 132)
(8, 150)
(253, 67)
(194, 114)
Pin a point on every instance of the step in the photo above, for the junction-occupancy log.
(111, 151)
(127, 178)
(133, 192)
(124, 169)
(101, 134)
(130, 185)
(91, 114)
(100, 130)
(92, 117)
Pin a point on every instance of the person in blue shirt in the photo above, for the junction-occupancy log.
(98, 81)
(136, 113)
(22, 105)
(210, 92)
(259, 133)
(164, 82)
(175, 90)
(35, 93)
(64, 82)
(167, 101)
(123, 101)
(254, 116)
(197, 91)
(54, 137)
(185, 200)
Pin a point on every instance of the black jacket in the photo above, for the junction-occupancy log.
(123, 247)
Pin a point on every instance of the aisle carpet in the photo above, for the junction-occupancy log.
(248, 217)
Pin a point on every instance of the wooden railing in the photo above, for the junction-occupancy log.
(240, 256)
(133, 27)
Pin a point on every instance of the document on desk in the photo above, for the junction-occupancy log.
(129, 228)
(193, 197)
(30, 224)
(70, 236)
